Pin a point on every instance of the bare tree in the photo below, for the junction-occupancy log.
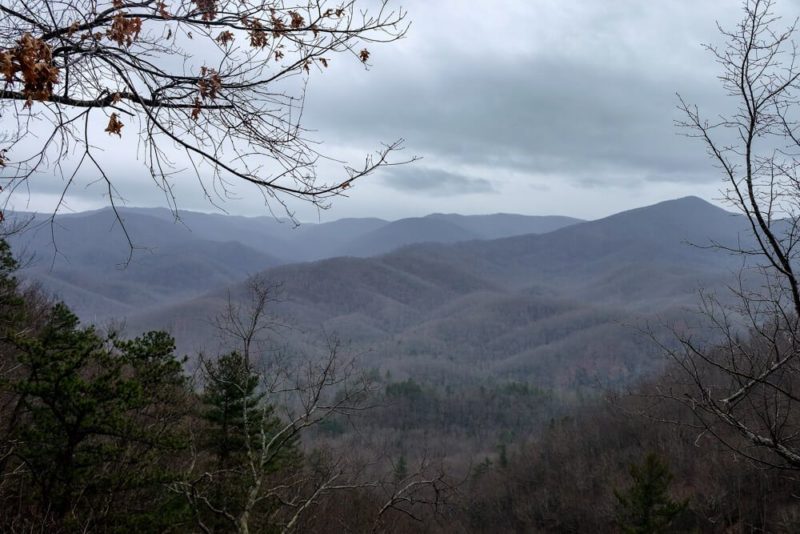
(746, 390)
(270, 488)
(213, 86)
(245, 326)
(266, 470)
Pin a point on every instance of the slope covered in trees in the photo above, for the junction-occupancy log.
(555, 309)
(486, 363)
(105, 269)
(105, 434)
(483, 377)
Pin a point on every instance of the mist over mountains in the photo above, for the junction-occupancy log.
(102, 268)
(454, 299)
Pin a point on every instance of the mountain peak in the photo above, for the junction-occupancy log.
(680, 210)
(690, 201)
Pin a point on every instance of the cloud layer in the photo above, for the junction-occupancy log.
(550, 106)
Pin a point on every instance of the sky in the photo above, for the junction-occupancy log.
(532, 106)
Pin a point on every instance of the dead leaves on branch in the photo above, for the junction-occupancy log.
(32, 61)
(124, 30)
(162, 11)
(208, 8)
(114, 125)
(334, 13)
(209, 84)
(208, 87)
(297, 21)
(257, 33)
(225, 38)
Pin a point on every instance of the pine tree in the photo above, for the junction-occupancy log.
(232, 408)
(400, 469)
(96, 417)
(646, 507)
(240, 427)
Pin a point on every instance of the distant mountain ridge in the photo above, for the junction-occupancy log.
(87, 260)
(500, 225)
(552, 309)
(671, 232)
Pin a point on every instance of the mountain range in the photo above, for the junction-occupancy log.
(105, 263)
(455, 299)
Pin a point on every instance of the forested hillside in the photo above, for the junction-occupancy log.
(553, 310)
(497, 384)
(431, 279)
(115, 264)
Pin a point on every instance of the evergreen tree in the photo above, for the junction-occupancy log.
(8, 283)
(96, 416)
(400, 469)
(646, 507)
(11, 315)
(233, 408)
(240, 428)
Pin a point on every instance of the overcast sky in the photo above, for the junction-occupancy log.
(529, 106)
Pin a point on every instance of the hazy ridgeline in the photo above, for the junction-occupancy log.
(554, 308)
(88, 259)
(495, 349)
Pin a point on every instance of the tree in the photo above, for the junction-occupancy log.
(245, 325)
(253, 447)
(236, 416)
(645, 507)
(216, 86)
(94, 420)
(244, 475)
(744, 391)
(253, 466)
(230, 394)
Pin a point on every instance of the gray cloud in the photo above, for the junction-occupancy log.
(561, 99)
(599, 102)
(434, 182)
(537, 115)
